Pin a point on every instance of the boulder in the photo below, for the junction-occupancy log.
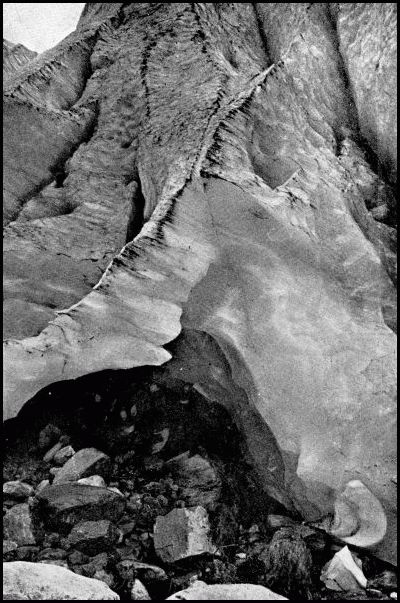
(182, 533)
(50, 454)
(200, 591)
(17, 490)
(93, 537)
(63, 455)
(93, 480)
(139, 592)
(344, 573)
(198, 480)
(87, 461)
(43, 484)
(18, 526)
(96, 564)
(42, 581)
(62, 506)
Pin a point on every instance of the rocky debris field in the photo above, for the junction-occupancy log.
(139, 489)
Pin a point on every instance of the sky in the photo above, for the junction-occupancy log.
(39, 26)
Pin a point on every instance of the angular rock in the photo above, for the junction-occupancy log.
(139, 592)
(93, 480)
(17, 490)
(115, 490)
(62, 506)
(182, 533)
(50, 454)
(43, 484)
(77, 558)
(197, 479)
(24, 580)
(63, 455)
(200, 591)
(93, 537)
(18, 526)
(97, 563)
(343, 573)
(86, 462)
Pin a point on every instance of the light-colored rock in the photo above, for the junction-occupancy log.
(200, 591)
(162, 438)
(40, 581)
(50, 454)
(86, 462)
(343, 573)
(17, 525)
(116, 490)
(17, 490)
(93, 480)
(182, 533)
(139, 592)
(93, 537)
(43, 484)
(63, 455)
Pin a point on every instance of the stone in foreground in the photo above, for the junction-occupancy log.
(200, 591)
(182, 533)
(85, 462)
(93, 537)
(139, 592)
(64, 505)
(17, 525)
(42, 581)
(17, 490)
